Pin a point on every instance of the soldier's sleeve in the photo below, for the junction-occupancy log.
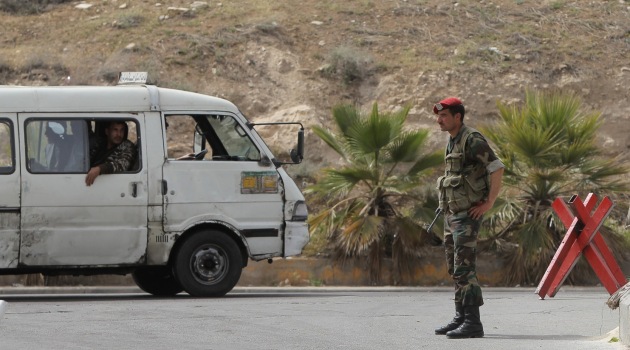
(95, 147)
(120, 160)
(480, 151)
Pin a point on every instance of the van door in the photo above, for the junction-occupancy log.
(9, 192)
(64, 221)
(229, 184)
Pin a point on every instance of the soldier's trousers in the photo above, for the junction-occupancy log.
(460, 242)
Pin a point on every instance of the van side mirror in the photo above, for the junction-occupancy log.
(298, 155)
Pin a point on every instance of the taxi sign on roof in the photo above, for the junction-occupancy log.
(125, 78)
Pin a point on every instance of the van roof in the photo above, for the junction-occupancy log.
(136, 98)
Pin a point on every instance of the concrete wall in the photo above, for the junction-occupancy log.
(431, 271)
(304, 271)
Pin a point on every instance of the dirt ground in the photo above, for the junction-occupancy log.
(287, 60)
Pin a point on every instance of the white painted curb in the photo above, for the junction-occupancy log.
(3, 307)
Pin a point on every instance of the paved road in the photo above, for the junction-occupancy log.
(317, 318)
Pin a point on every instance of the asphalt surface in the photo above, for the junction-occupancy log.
(300, 318)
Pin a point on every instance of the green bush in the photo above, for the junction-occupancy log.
(27, 7)
(129, 21)
(46, 62)
(348, 64)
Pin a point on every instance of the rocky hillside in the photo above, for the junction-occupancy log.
(293, 60)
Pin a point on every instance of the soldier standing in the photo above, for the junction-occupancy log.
(468, 189)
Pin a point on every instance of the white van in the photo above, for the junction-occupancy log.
(185, 216)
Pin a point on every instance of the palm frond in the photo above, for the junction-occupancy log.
(427, 162)
(371, 135)
(359, 235)
(408, 242)
(330, 140)
(534, 145)
(345, 116)
(577, 151)
(607, 175)
(396, 119)
(314, 221)
(353, 175)
(584, 127)
(339, 183)
(533, 253)
(407, 146)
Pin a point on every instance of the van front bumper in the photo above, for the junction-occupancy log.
(295, 238)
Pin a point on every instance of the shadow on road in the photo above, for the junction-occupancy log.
(536, 337)
(138, 296)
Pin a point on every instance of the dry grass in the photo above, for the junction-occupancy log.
(228, 49)
(393, 33)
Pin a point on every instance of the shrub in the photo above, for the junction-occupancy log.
(348, 64)
(27, 7)
(129, 21)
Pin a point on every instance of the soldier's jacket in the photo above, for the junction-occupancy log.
(118, 159)
(469, 160)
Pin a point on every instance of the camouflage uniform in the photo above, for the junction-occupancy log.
(469, 161)
(117, 159)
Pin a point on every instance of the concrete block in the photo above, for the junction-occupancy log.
(624, 319)
(3, 307)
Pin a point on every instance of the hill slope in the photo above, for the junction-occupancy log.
(294, 60)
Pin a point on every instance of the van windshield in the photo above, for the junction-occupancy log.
(234, 139)
(220, 137)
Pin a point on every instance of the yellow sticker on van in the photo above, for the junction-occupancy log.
(259, 182)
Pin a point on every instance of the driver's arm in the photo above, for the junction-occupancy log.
(189, 156)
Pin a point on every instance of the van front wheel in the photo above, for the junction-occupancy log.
(208, 264)
(157, 280)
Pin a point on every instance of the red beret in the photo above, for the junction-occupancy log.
(445, 103)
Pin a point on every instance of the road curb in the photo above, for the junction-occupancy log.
(69, 290)
(22, 290)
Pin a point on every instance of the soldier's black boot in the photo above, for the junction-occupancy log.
(471, 328)
(456, 322)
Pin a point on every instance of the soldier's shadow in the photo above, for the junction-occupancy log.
(539, 337)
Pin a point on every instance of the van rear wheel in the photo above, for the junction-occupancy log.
(208, 264)
(157, 280)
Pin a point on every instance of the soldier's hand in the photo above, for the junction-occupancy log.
(477, 211)
(91, 175)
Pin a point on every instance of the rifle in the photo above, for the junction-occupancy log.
(435, 240)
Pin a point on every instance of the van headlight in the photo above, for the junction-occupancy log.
(300, 211)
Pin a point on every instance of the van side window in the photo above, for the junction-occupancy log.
(57, 146)
(115, 146)
(7, 159)
(180, 131)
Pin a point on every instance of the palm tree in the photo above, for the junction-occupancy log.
(549, 149)
(366, 198)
